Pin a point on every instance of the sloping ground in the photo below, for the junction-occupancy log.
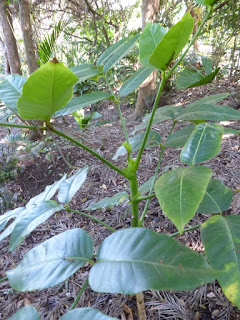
(206, 302)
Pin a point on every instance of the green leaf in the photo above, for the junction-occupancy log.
(30, 219)
(81, 102)
(11, 90)
(135, 81)
(120, 53)
(85, 314)
(26, 313)
(106, 55)
(151, 36)
(69, 187)
(85, 71)
(47, 194)
(180, 193)
(153, 140)
(221, 239)
(52, 262)
(146, 186)
(217, 199)
(47, 90)
(137, 259)
(109, 201)
(207, 64)
(203, 144)
(205, 2)
(180, 137)
(11, 214)
(227, 130)
(172, 43)
(208, 112)
(212, 99)
(188, 77)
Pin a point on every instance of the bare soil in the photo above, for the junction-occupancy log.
(206, 302)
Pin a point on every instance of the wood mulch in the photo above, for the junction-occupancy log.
(206, 302)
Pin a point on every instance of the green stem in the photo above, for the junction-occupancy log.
(91, 217)
(3, 279)
(134, 199)
(73, 306)
(185, 230)
(97, 155)
(160, 90)
(150, 196)
(13, 125)
(116, 101)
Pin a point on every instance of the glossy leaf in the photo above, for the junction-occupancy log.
(217, 199)
(47, 90)
(10, 214)
(11, 90)
(26, 313)
(70, 186)
(81, 102)
(85, 71)
(85, 314)
(109, 201)
(47, 194)
(172, 43)
(208, 112)
(18, 212)
(203, 144)
(179, 137)
(153, 140)
(135, 81)
(137, 259)
(221, 239)
(30, 219)
(180, 193)
(151, 36)
(52, 262)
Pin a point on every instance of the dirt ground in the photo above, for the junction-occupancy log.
(206, 302)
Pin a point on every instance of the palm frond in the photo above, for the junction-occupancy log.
(5, 113)
(15, 138)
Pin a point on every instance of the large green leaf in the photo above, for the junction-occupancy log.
(137, 259)
(81, 102)
(11, 90)
(26, 313)
(85, 314)
(116, 52)
(205, 2)
(221, 239)
(47, 90)
(69, 187)
(30, 219)
(151, 36)
(11, 214)
(180, 193)
(172, 43)
(203, 144)
(180, 137)
(53, 261)
(218, 198)
(209, 112)
(153, 140)
(212, 99)
(135, 81)
(207, 64)
(85, 71)
(109, 201)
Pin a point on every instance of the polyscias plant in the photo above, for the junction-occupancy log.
(135, 259)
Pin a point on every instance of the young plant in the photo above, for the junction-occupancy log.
(135, 259)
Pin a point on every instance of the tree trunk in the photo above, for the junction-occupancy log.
(150, 10)
(6, 62)
(24, 9)
(9, 39)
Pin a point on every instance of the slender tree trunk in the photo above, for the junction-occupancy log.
(6, 62)
(24, 9)
(150, 10)
(9, 39)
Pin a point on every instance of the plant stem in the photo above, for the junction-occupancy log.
(150, 196)
(133, 182)
(160, 90)
(185, 230)
(91, 217)
(97, 155)
(3, 279)
(141, 306)
(13, 125)
(79, 295)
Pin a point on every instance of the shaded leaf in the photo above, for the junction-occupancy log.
(188, 77)
(106, 55)
(109, 201)
(26, 313)
(180, 137)
(85, 314)
(137, 259)
(180, 193)
(70, 186)
(217, 199)
(10, 214)
(52, 262)
(85, 71)
(221, 239)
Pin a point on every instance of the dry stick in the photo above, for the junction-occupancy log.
(141, 306)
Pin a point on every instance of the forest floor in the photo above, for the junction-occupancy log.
(206, 302)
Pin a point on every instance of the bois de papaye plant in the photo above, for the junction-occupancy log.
(134, 259)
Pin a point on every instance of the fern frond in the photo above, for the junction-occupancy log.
(14, 138)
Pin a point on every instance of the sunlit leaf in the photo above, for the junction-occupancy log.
(85, 71)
